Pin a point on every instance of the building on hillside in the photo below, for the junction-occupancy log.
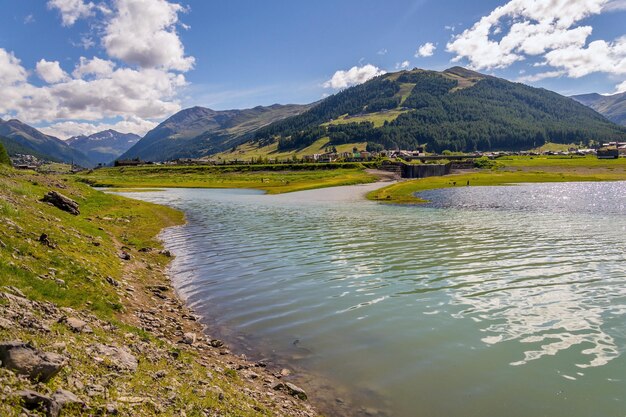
(128, 162)
(608, 153)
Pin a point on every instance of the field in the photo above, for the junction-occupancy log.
(274, 182)
(511, 170)
(249, 151)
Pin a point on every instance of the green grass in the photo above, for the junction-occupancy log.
(273, 182)
(78, 261)
(403, 192)
(193, 381)
(378, 118)
(562, 162)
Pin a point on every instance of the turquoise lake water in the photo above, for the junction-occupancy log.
(489, 301)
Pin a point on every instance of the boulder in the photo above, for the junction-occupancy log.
(77, 325)
(62, 202)
(291, 389)
(32, 400)
(65, 398)
(121, 357)
(24, 359)
(189, 338)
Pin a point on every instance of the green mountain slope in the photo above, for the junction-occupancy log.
(457, 109)
(4, 156)
(612, 107)
(198, 131)
(19, 137)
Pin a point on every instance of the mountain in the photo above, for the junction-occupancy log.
(456, 109)
(18, 137)
(612, 107)
(104, 147)
(198, 131)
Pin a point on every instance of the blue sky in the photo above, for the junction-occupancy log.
(79, 66)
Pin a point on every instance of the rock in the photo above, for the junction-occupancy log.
(216, 343)
(77, 325)
(44, 239)
(112, 281)
(291, 389)
(26, 360)
(65, 398)
(166, 252)
(62, 202)
(32, 400)
(189, 338)
(285, 372)
(145, 250)
(125, 256)
(5, 324)
(121, 358)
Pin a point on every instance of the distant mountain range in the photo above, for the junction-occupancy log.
(457, 110)
(18, 137)
(612, 107)
(198, 131)
(103, 147)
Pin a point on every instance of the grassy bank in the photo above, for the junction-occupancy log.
(295, 178)
(512, 171)
(77, 271)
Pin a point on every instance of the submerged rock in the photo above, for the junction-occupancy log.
(24, 359)
(291, 389)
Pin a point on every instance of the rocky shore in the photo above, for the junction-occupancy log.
(151, 356)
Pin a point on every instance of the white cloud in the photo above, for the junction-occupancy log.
(11, 70)
(66, 130)
(621, 88)
(547, 29)
(541, 76)
(51, 71)
(403, 65)
(382, 51)
(614, 6)
(72, 10)
(425, 50)
(598, 56)
(29, 19)
(143, 33)
(125, 92)
(135, 84)
(354, 76)
(97, 67)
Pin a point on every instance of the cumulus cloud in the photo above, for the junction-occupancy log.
(425, 50)
(403, 65)
(66, 130)
(11, 70)
(546, 29)
(354, 76)
(615, 5)
(51, 71)
(143, 33)
(97, 67)
(72, 10)
(129, 89)
(621, 88)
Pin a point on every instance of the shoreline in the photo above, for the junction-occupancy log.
(126, 342)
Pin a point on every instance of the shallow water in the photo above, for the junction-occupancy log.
(488, 301)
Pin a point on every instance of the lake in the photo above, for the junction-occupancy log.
(487, 301)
